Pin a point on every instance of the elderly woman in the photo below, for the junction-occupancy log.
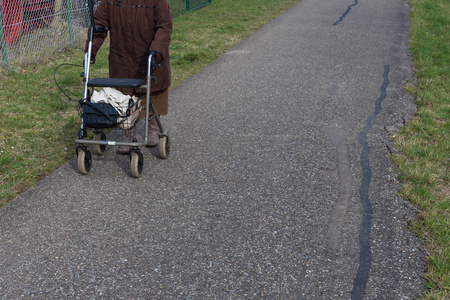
(137, 27)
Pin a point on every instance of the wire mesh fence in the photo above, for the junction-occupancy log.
(194, 4)
(31, 30)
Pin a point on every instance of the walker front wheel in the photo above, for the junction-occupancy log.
(164, 147)
(84, 161)
(137, 164)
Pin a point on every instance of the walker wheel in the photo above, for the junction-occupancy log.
(137, 164)
(164, 147)
(99, 149)
(84, 161)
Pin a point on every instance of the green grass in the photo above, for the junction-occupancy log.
(424, 144)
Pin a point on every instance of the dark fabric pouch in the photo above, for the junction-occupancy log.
(99, 115)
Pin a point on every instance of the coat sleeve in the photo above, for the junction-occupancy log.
(163, 28)
(101, 19)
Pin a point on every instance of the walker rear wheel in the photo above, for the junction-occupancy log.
(84, 161)
(99, 149)
(164, 147)
(137, 164)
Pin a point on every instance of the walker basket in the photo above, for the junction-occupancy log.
(130, 114)
(104, 115)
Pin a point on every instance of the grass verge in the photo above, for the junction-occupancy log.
(38, 124)
(424, 144)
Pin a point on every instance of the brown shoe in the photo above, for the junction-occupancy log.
(153, 136)
(130, 134)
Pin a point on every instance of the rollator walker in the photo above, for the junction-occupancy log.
(101, 116)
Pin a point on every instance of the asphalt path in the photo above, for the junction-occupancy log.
(279, 183)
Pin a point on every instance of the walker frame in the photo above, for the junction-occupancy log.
(100, 142)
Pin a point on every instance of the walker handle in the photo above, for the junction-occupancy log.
(101, 29)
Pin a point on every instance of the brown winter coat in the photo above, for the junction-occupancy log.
(135, 28)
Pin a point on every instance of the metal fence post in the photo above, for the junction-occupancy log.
(69, 20)
(2, 40)
(188, 6)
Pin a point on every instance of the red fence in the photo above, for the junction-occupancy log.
(21, 16)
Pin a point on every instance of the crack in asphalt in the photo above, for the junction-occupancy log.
(365, 255)
(345, 14)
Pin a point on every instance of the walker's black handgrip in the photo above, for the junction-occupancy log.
(154, 64)
(100, 29)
